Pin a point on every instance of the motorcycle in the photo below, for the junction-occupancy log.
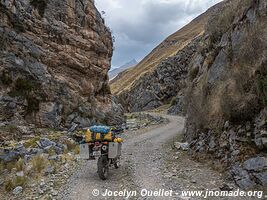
(106, 157)
(108, 154)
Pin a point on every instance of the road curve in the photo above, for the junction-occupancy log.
(149, 162)
(141, 157)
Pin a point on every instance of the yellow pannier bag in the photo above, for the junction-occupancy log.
(108, 136)
(118, 140)
(91, 137)
(88, 136)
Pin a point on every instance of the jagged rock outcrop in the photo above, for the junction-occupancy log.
(54, 60)
(226, 94)
(159, 86)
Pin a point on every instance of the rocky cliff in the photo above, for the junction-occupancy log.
(226, 94)
(54, 60)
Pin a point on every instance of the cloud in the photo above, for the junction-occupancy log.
(139, 26)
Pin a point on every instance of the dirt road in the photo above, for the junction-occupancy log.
(149, 162)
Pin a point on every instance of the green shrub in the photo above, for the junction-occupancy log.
(33, 103)
(30, 90)
(262, 88)
(193, 73)
(173, 101)
(40, 5)
(5, 78)
(104, 90)
(22, 87)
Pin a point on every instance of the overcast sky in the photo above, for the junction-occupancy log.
(140, 25)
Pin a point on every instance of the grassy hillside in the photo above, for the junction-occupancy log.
(169, 47)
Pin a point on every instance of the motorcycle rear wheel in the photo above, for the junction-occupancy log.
(102, 167)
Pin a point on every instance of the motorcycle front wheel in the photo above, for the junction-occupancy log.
(102, 167)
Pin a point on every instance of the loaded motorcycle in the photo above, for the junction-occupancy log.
(102, 143)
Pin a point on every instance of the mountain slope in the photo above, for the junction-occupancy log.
(159, 81)
(113, 73)
(170, 46)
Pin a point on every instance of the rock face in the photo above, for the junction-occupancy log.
(54, 60)
(226, 96)
(159, 86)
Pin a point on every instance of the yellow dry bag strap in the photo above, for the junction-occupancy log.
(93, 136)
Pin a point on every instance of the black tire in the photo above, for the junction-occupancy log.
(117, 163)
(102, 167)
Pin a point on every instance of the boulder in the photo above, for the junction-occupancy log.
(182, 146)
(17, 190)
(9, 155)
(45, 142)
(256, 164)
(242, 177)
(261, 177)
(49, 170)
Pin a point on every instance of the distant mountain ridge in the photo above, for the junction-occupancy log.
(114, 72)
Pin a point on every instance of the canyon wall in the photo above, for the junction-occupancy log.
(54, 60)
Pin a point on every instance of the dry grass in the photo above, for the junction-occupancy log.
(77, 149)
(12, 183)
(67, 157)
(10, 165)
(9, 185)
(19, 165)
(32, 142)
(51, 152)
(38, 163)
(255, 45)
(70, 145)
(10, 132)
(20, 181)
(2, 167)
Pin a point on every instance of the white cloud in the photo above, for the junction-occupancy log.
(139, 25)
